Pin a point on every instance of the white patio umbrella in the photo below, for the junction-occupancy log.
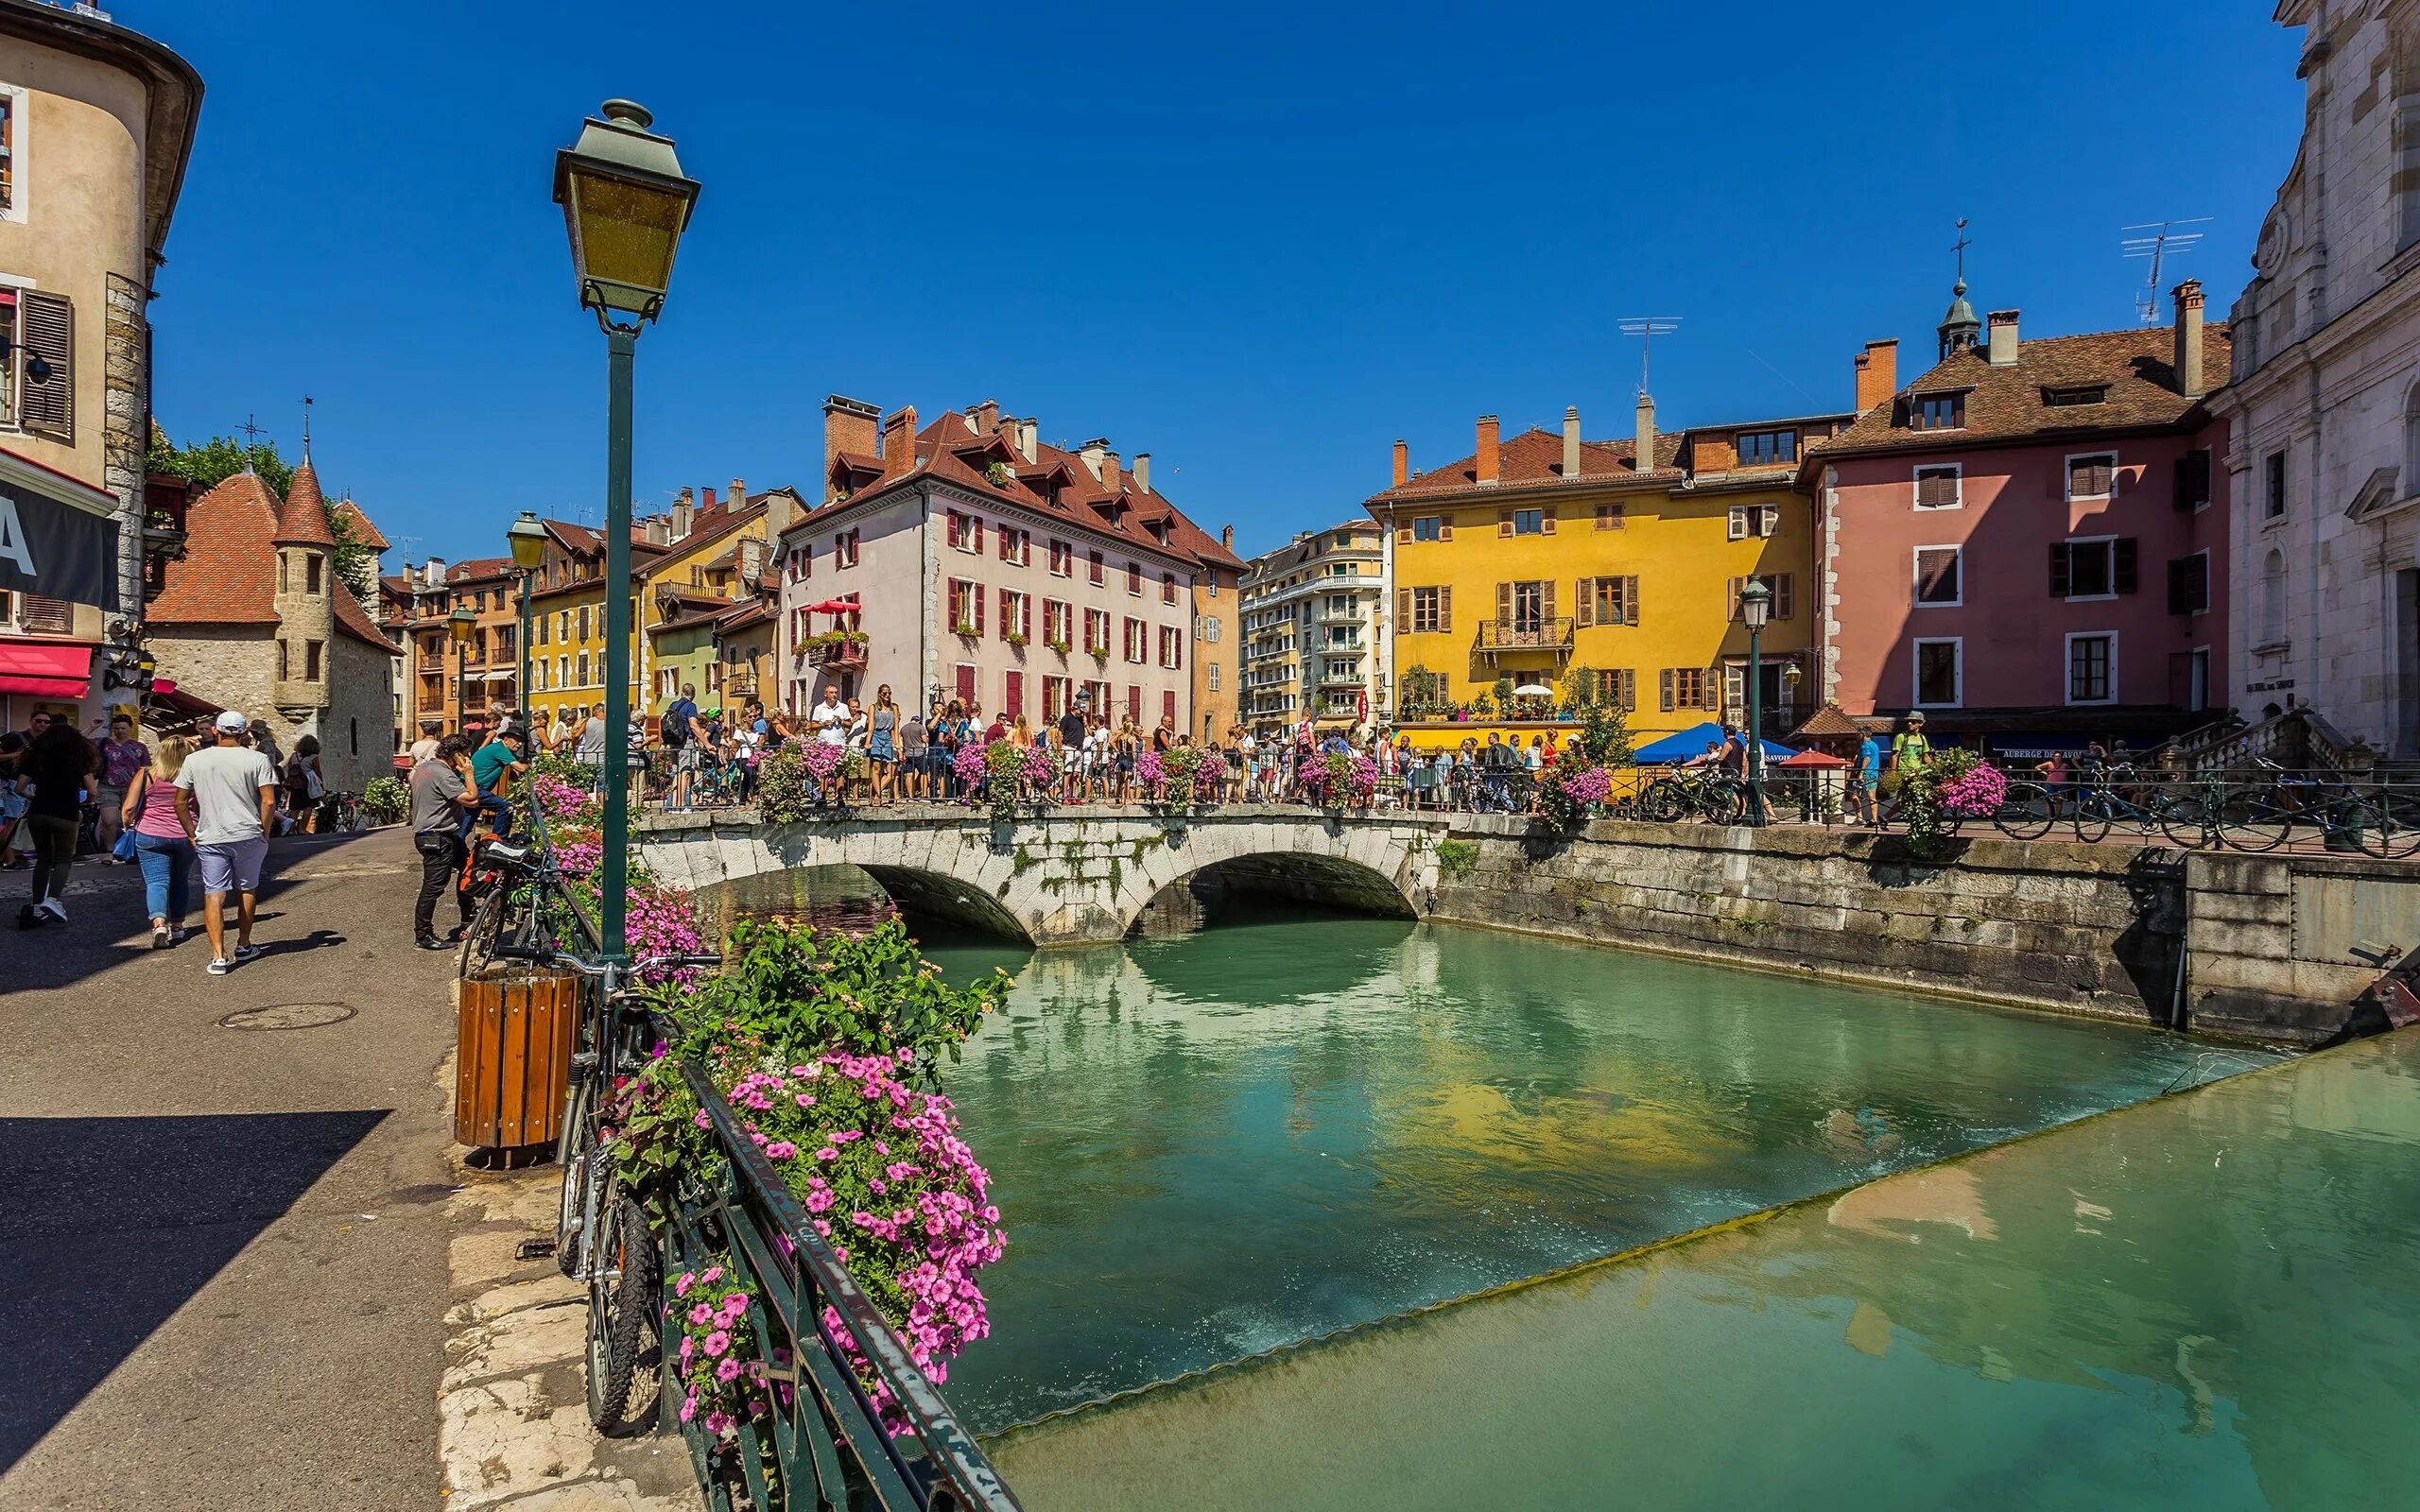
(1533, 690)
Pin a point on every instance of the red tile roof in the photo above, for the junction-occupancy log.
(358, 524)
(228, 575)
(1534, 457)
(303, 521)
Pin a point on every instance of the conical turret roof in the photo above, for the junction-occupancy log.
(302, 520)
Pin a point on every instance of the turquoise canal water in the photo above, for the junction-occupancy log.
(2205, 1305)
(1211, 1146)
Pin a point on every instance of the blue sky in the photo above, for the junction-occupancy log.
(1258, 242)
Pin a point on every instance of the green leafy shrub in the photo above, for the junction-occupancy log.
(385, 801)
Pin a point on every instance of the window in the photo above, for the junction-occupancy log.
(2272, 497)
(2075, 395)
(1016, 546)
(285, 662)
(2092, 477)
(965, 607)
(562, 672)
(1608, 601)
(1135, 578)
(1768, 448)
(1609, 517)
(1940, 674)
(2092, 668)
(2273, 600)
(1939, 487)
(41, 327)
(1757, 520)
(1429, 527)
(13, 151)
(1016, 614)
(1213, 677)
(311, 566)
(1937, 412)
(1522, 609)
(1063, 560)
(1686, 688)
(1171, 648)
(542, 629)
(2188, 584)
(1057, 617)
(1527, 522)
(1095, 565)
(1426, 610)
(583, 621)
(2102, 567)
(844, 549)
(1939, 581)
(1167, 588)
(965, 532)
(1781, 586)
(284, 572)
(2193, 478)
(1137, 642)
(583, 669)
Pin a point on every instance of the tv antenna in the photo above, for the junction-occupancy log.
(1646, 327)
(2159, 242)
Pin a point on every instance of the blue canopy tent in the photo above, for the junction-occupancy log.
(1674, 750)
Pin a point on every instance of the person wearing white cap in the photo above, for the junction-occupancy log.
(227, 796)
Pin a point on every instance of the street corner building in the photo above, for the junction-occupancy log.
(96, 123)
(254, 617)
(969, 559)
(1607, 571)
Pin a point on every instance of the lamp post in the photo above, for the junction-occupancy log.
(458, 625)
(1755, 602)
(528, 540)
(625, 205)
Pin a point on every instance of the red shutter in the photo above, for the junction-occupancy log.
(957, 528)
(1168, 705)
(1008, 544)
(1012, 697)
(965, 683)
(1134, 703)
(1008, 614)
(974, 590)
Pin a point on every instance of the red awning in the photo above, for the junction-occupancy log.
(46, 669)
(171, 710)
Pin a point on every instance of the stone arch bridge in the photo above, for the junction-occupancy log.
(1078, 876)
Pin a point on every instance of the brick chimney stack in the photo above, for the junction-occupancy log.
(1878, 373)
(2000, 340)
(1227, 536)
(2189, 339)
(1487, 458)
(1403, 463)
(899, 439)
(1645, 460)
(1570, 442)
(849, 425)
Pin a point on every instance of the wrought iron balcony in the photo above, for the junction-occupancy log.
(1524, 634)
(836, 654)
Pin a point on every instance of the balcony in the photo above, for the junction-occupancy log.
(1496, 637)
(1339, 679)
(834, 650)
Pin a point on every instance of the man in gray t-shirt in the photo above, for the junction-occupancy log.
(227, 795)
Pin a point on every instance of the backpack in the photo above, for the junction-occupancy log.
(674, 726)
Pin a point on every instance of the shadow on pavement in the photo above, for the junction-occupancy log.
(110, 1225)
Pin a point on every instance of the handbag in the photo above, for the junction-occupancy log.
(124, 849)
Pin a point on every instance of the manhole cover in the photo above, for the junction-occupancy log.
(287, 1015)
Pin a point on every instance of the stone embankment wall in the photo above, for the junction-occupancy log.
(2282, 947)
(2090, 929)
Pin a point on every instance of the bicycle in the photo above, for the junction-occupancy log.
(602, 1236)
(1696, 792)
(341, 813)
(2376, 826)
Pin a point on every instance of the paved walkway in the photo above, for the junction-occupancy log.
(243, 1270)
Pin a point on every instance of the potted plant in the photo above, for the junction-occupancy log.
(1060, 646)
(970, 629)
(999, 474)
(1015, 640)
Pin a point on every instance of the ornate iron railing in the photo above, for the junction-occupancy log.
(1524, 634)
(827, 1442)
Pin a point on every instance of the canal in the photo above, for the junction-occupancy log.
(1215, 1144)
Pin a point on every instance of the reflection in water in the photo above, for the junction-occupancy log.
(1212, 1146)
(839, 897)
(2205, 1303)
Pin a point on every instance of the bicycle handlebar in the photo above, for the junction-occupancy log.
(573, 963)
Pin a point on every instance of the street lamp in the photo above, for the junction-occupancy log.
(528, 540)
(458, 626)
(624, 204)
(1756, 603)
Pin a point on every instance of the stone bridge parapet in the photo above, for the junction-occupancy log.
(1078, 876)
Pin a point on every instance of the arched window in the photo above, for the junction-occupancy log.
(2409, 483)
(2273, 598)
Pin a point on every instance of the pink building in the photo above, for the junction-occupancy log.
(992, 569)
(2030, 541)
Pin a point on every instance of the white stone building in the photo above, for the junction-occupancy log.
(2324, 399)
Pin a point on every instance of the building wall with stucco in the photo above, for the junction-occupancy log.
(356, 730)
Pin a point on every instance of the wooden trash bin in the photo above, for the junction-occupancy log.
(512, 1058)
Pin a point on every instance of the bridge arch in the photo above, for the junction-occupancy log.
(1075, 877)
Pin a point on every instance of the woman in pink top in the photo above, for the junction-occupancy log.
(163, 839)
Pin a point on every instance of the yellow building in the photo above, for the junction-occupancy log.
(706, 560)
(567, 628)
(1554, 562)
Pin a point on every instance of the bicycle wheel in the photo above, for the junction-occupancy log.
(2252, 819)
(2024, 813)
(1661, 800)
(2185, 820)
(635, 1331)
(573, 1152)
(479, 941)
(2092, 816)
(1726, 804)
(2397, 832)
(622, 1247)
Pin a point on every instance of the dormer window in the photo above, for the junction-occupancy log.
(1767, 448)
(1937, 412)
(2074, 395)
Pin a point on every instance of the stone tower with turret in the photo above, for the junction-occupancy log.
(306, 600)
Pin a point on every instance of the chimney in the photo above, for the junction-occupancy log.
(2187, 358)
(1487, 458)
(1403, 463)
(1112, 471)
(2000, 339)
(684, 517)
(737, 497)
(985, 416)
(707, 496)
(777, 514)
(659, 530)
(1645, 460)
(899, 439)
(1026, 440)
(1227, 536)
(849, 425)
(1878, 373)
(1570, 442)
(1142, 471)
(1090, 454)
(432, 572)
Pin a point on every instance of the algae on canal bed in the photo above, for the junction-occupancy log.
(2211, 1302)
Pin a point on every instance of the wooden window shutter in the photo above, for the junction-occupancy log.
(2193, 479)
(48, 409)
(974, 590)
(1664, 688)
(1629, 600)
(1712, 689)
(1503, 521)
(976, 525)
(965, 683)
(1547, 523)
(1546, 604)
(1585, 613)
(2058, 569)
(1014, 696)
(1403, 610)
(1503, 604)
(1628, 684)
(1446, 528)
(1733, 588)
(2122, 564)
(1444, 609)
(1783, 596)
(1402, 535)
(1735, 526)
